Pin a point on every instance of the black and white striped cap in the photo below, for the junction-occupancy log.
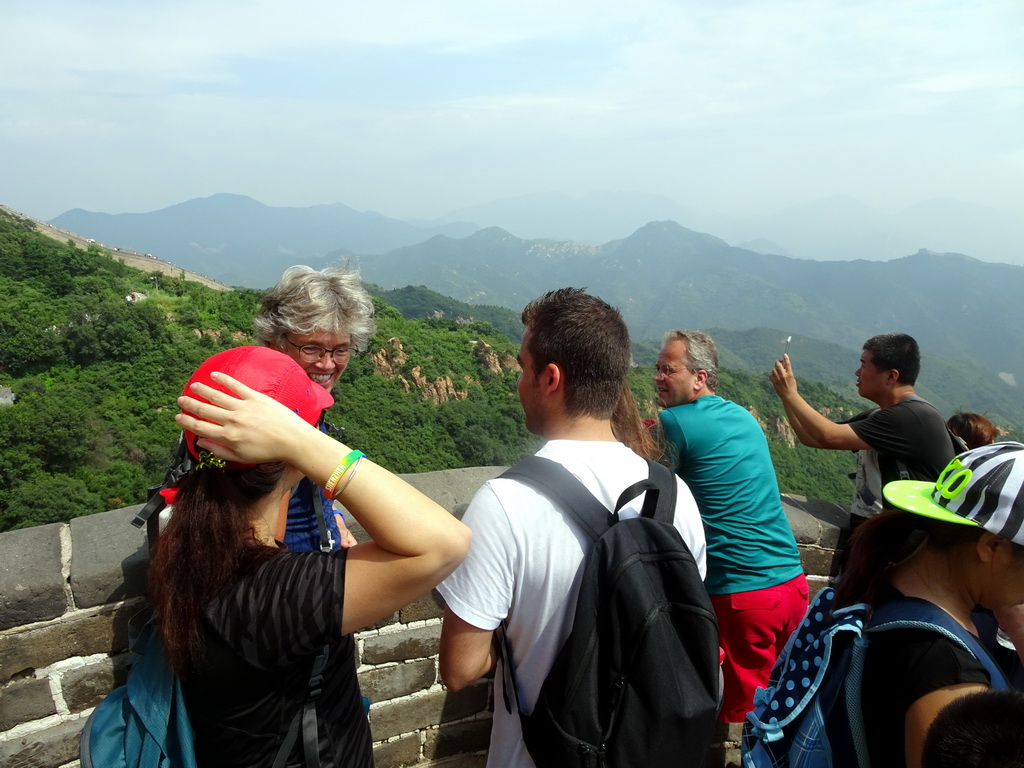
(983, 486)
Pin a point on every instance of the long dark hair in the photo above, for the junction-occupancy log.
(630, 429)
(884, 541)
(208, 543)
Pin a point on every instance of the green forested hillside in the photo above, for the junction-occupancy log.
(95, 354)
(95, 377)
(419, 302)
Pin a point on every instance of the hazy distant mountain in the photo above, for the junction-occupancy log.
(761, 245)
(665, 276)
(829, 229)
(240, 241)
(594, 218)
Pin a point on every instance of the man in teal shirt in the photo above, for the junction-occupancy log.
(754, 576)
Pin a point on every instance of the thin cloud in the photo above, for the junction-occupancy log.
(378, 104)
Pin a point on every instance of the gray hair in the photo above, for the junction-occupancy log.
(701, 354)
(305, 301)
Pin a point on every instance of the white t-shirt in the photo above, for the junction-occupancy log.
(526, 562)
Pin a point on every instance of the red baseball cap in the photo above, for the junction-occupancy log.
(268, 371)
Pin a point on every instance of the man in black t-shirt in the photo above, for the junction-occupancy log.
(904, 438)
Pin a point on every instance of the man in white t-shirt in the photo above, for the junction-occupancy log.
(526, 561)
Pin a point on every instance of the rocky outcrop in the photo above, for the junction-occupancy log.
(391, 359)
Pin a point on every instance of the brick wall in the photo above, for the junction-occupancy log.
(68, 591)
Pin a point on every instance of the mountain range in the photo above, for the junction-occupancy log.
(240, 241)
(662, 275)
(666, 276)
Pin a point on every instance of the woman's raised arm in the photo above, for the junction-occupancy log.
(416, 543)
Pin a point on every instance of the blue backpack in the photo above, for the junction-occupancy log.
(810, 715)
(144, 723)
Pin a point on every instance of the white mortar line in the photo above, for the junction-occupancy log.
(73, 615)
(35, 726)
(55, 675)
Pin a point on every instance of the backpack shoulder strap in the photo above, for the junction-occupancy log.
(661, 488)
(562, 487)
(149, 515)
(912, 612)
(306, 719)
(317, 502)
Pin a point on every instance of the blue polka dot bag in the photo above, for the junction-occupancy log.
(810, 715)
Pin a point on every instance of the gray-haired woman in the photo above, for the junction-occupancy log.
(319, 318)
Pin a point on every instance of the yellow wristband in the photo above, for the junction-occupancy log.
(340, 470)
(348, 477)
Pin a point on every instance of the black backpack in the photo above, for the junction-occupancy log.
(637, 682)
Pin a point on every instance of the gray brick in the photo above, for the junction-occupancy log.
(23, 701)
(109, 557)
(86, 686)
(23, 652)
(452, 487)
(31, 585)
(815, 584)
(401, 646)
(458, 739)
(833, 520)
(727, 732)
(49, 748)
(387, 621)
(430, 606)
(721, 756)
(817, 561)
(478, 760)
(399, 680)
(397, 717)
(398, 753)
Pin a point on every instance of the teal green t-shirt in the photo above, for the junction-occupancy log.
(720, 451)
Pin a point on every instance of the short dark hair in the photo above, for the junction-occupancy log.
(979, 730)
(588, 339)
(895, 351)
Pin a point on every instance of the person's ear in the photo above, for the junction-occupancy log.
(988, 546)
(700, 381)
(551, 378)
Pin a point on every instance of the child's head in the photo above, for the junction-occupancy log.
(980, 730)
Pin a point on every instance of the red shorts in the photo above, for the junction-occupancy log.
(753, 629)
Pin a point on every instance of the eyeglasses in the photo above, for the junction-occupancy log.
(311, 353)
(666, 371)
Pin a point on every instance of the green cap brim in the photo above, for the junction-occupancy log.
(916, 496)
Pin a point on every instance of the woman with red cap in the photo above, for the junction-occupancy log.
(243, 620)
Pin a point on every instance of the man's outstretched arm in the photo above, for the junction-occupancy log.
(811, 427)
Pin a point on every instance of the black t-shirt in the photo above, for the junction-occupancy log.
(911, 432)
(901, 666)
(263, 635)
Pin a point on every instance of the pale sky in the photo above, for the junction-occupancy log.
(416, 109)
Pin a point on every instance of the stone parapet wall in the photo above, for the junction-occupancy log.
(68, 591)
